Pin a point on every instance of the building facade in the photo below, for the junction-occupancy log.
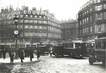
(33, 25)
(69, 30)
(92, 20)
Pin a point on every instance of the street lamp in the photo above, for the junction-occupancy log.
(16, 32)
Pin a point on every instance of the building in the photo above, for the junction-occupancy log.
(33, 25)
(69, 30)
(92, 20)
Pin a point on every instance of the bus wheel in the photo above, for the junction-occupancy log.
(56, 55)
(90, 61)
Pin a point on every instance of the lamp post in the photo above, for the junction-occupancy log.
(16, 32)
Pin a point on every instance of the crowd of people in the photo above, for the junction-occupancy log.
(19, 53)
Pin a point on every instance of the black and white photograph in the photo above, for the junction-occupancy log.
(52, 36)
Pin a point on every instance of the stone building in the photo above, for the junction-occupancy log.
(69, 30)
(33, 25)
(92, 20)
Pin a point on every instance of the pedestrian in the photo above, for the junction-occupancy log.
(31, 54)
(38, 53)
(11, 54)
(26, 52)
(21, 54)
(51, 51)
(3, 52)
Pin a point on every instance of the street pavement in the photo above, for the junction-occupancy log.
(53, 65)
(7, 60)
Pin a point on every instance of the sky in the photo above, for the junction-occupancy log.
(62, 9)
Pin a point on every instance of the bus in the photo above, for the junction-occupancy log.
(75, 48)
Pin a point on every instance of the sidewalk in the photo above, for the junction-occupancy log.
(26, 59)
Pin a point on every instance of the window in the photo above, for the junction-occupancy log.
(35, 16)
(26, 21)
(83, 30)
(45, 22)
(40, 16)
(86, 19)
(101, 44)
(99, 16)
(35, 21)
(21, 16)
(31, 16)
(104, 44)
(91, 29)
(30, 21)
(104, 6)
(40, 27)
(26, 15)
(31, 27)
(35, 27)
(20, 26)
(91, 19)
(91, 9)
(21, 21)
(97, 1)
(68, 44)
(104, 15)
(98, 8)
(26, 26)
(99, 28)
(39, 22)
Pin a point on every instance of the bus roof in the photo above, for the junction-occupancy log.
(77, 41)
(101, 38)
(74, 41)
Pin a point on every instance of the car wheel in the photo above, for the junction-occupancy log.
(90, 61)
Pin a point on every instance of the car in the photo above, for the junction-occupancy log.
(98, 52)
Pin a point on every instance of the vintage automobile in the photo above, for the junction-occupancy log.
(58, 50)
(98, 52)
(75, 48)
(44, 48)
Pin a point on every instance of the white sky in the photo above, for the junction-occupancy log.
(63, 9)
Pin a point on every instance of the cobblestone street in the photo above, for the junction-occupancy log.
(53, 65)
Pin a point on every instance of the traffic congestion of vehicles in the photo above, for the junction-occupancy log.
(96, 50)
